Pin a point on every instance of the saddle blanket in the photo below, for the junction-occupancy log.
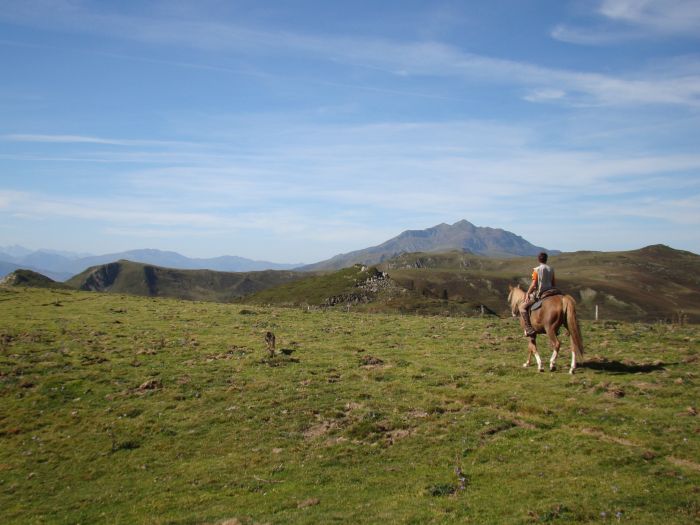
(547, 293)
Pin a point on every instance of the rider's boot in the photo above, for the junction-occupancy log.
(529, 330)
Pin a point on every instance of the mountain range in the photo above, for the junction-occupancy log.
(60, 266)
(649, 284)
(461, 236)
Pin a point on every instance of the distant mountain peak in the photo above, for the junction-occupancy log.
(462, 236)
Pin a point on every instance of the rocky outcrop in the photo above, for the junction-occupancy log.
(365, 290)
(102, 278)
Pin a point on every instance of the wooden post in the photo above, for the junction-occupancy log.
(482, 310)
(596, 312)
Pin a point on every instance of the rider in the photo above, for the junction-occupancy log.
(542, 280)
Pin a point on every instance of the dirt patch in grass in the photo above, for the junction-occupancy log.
(369, 361)
(607, 438)
(685, 463)
(320, 429)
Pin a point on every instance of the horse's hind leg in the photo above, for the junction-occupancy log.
(573, 360)
(556, 345)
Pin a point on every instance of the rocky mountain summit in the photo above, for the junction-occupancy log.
(462, 236)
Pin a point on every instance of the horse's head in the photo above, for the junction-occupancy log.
(515, 297)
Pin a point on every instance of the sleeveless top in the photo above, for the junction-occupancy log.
(544, 278)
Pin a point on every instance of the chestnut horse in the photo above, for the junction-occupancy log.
(555, 311)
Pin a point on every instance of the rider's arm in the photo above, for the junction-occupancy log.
(533, 284)
(554, 280)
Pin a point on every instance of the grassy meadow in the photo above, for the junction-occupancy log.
(122, 409)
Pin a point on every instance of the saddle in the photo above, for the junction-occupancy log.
(547, 293)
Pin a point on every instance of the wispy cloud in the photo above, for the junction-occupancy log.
(670, 17)
(544, 95)
(84, 139)
(113, 209)
(622, 20)
(301, 191)
(592, 36)
(64, 139)
(307, 160)
(446, 169)
(398, 58)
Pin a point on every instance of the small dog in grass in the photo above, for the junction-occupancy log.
(270, 342)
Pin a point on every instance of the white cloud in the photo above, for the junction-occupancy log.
(389, 168)
(544, 95)
(345, 187)
(621, 20)
(662, 16)
(113, 209)
(84, 139)
(61, 139)
(592, 36)
(683, 211)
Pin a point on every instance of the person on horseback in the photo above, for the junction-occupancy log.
(542, 280)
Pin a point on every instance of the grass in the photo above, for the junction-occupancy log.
(121, 409)
(313, 290)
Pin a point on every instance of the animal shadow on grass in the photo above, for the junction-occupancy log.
(623, 367)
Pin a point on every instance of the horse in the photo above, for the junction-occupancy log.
(555, 311)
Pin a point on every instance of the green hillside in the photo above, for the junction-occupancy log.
(154, 281)
(650, 284)
(125, 409)
(348, 286)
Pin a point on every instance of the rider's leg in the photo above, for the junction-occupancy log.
(525, 314)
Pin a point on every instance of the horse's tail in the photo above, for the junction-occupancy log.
(572, 325)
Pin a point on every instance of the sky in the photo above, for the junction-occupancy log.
(291, 131)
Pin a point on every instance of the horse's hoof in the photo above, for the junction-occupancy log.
(552, 369)
(571, 371)
(525, 365)
(540, 369)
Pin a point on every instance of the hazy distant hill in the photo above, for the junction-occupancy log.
(8, 267)
(462, 236)
(226, 263)
(653, 283)
(62, 265)
(206, 285)
(14, 251)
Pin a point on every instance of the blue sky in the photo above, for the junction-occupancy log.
(292, 131)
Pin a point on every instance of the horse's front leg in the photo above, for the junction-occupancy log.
(556, 345)
(529, 349)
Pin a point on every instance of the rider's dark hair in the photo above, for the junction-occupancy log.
(542, 257)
